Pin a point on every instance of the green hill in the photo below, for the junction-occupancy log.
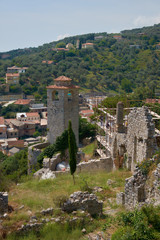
(111, 66)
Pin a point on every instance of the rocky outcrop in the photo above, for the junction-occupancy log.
(83, 201)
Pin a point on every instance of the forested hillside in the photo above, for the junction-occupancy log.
(111, 66)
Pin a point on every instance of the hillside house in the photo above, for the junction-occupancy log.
(12, 78)
(16, 69)
(87, 45)
(24, 102)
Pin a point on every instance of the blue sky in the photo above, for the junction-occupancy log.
(30, 23)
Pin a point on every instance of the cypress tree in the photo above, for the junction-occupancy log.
(72, 150)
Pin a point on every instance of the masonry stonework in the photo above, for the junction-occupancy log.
(136, 141)
(62, 102)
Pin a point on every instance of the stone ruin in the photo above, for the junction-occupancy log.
(140, 189)
(136, 141)
(3, 202)
(83, 201)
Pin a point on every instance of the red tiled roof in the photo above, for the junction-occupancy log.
(1, 120)
(63, 78)
(16, 143)
(12, 74)
(88, 44)
(63, 87)
(32, 114)
(23, 101)
(50, 62)
(87, 111)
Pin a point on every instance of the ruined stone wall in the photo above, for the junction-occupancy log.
(141, 142)
(140, 189)
(33, 153)
(3, 202)
(95, 165)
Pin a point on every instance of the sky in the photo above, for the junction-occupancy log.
(31, 23)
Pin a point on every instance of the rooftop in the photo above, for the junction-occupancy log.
(62, 87)
(23, 101)
(63, 78)
(12, 74)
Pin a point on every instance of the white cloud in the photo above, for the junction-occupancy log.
(146, 21)
(61, 36)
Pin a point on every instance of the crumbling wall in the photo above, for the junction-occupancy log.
(83, 201)
(3, 202)
(95, 165)
(141, 142)
(33, 153)
(140, 189)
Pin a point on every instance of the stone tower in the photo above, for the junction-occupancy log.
(62, 101)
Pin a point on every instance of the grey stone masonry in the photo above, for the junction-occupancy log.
(33, 152)
(83, 201)
(136, 141)
(3, 202)
(141, 141)
(140, 189)
(63, 105)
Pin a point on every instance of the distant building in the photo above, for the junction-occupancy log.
(135, 46)
(24, 128)
(86, 113)
(31, 116)
(12, 78)
(39, 107)
(87, 45)
(24, 102)
(69, 46)
(77, 44)
(100, 37)
(16, 69)
(117, 37)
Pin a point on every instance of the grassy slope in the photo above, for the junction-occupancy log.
(36, 195)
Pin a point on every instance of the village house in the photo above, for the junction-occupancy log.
(24, 128)
(87, 45)
(24, 102)
(39, 107)
(117, 37)
(70, 46)
(12, 78)
(31, 116)
(16, 69)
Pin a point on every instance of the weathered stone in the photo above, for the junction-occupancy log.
(84, 201)
(48, 211)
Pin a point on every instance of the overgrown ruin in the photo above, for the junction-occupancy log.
(132, 140)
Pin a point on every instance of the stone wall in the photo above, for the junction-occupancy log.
(5, 98)
(83, 201)
(3, 202)
(33, 152)
(141, 142)
(137, 142)
(140, 189)
(95, 165)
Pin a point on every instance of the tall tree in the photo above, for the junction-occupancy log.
(72, 150)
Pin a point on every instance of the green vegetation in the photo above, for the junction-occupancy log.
(86, 129)
(89, 150)
(110, 67)
(13, 168)
(139, 225)
(72, 150)
(11, 110)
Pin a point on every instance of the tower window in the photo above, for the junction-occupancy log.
(69, 96)
(55, 96)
